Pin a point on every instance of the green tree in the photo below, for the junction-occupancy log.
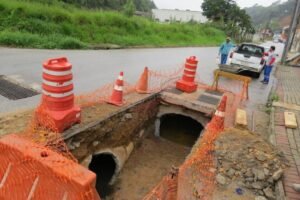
(229, 16)
(217, 10)
(129, 8)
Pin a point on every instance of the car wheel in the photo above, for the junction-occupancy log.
(256, 75)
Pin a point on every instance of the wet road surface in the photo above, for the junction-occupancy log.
(94, 68)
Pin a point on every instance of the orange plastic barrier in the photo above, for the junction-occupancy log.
(187, 82)
(31, 171)
(58, 97)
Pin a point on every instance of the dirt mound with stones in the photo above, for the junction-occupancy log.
(248, 167)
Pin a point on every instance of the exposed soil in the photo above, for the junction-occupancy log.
(147, 165)
(247, 166)
(14, 122)
(18, 121)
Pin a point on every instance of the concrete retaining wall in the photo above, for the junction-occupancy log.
(115, 131)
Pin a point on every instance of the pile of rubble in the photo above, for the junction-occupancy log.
(250, 162)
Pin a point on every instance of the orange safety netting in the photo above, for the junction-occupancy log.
(46, 139)
(196, 177)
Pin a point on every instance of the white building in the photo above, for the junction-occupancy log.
(166, 15)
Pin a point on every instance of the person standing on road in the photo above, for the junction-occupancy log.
(225, 49)
(269, 65)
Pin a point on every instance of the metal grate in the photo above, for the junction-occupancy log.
(174, 91)
(214, 92)
(14, 91)
(208, 99)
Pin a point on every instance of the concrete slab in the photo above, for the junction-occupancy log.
(174, 91)
(208, 99)
(206, 104)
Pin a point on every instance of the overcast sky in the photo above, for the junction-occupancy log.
(196, 4)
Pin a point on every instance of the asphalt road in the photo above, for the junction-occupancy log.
(94, 68)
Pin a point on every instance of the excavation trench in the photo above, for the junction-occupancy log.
(133, 148)
(151, 159)
(180, 129)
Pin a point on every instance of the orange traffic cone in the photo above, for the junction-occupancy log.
(142, 85)
(187, 82)
(117, 94)
(217, 122)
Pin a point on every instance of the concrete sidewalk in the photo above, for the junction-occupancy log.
(287, 139)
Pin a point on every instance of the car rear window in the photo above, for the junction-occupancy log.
(251, 50)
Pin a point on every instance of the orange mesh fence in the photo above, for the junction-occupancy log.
(196, 178)
(160, 80)
(197, 175)
(46, 135)
(157, 81)
(166, 189)
(46, 139)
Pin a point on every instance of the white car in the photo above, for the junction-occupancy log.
(276, 38)
(246, 57)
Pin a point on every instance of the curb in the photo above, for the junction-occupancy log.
(280, 194)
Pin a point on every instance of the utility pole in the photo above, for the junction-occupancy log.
(292, 31)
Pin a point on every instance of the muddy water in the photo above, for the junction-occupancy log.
(180, 129)
(150, 161)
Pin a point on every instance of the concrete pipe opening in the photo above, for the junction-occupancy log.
(180, 129)
(104, 166)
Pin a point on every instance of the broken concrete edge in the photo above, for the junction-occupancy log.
(286, 105)
(71, 132)
(293, 57)
(289, 61)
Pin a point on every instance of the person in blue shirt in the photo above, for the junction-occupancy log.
(225, 49)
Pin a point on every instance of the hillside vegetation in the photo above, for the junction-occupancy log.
(61, 25)
(140, 5)
(271, 15)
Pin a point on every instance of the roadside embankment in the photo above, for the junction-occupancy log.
(63, 26)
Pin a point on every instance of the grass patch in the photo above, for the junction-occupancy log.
(274, 97)
(63, 26)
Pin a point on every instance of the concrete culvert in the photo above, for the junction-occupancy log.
(180, 129)
(104, 166)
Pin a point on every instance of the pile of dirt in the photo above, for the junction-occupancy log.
(247, 161)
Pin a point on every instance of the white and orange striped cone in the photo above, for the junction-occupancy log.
(187, 82)
(142, 85)
(217, 122)
(117, 94)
